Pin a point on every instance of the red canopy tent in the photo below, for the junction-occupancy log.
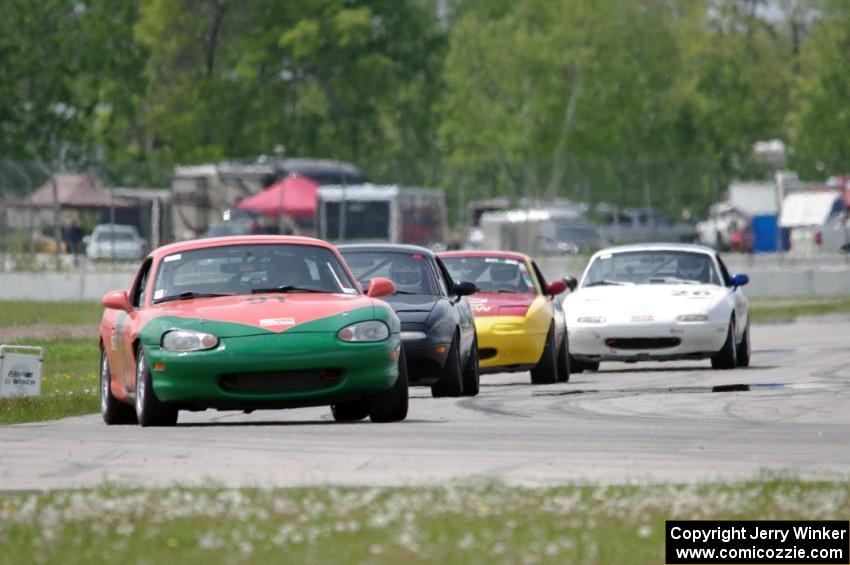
(295, 195)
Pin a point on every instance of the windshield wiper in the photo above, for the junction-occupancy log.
(190, 294)
(608, 282)
(671, 280)
(286, 288)
(397, 291)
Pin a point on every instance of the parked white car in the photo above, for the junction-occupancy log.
(116, 241)
(658, 302)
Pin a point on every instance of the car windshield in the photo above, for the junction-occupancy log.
(247, 269)
(115, 236)
(411, 272)
(583, 236)
(491, 274)
(651, 267)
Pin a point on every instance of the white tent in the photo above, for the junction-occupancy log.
(802, 209)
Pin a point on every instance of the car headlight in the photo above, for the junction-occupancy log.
(692, 318)
(373, 330)
(188, 340)
(591, 320)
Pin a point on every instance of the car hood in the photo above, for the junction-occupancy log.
(653, 299)
(234, 316)
(412, 302)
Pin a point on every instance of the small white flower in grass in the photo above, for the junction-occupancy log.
(376, 549)
(466, 542)
(379, 521)
(498, 549)
(644, 531)
(552, 549)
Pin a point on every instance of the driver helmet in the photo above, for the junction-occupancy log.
(406, 273)
(692, 267)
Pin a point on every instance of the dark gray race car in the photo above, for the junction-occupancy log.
(437, 326)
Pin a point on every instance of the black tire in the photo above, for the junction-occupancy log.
(391, 405)
(564, 359)
(727, 357)
(576, 366)
(114, 411)
(590, 365)
(546, 370)
(350, 411)
(471, 373)
(451, 381)
(149, 410)
(744, 348)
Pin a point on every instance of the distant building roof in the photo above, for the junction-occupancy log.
(75, 191)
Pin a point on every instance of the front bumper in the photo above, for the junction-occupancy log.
(282, 370)
(509, 341)
(425, 360)
(656, 341)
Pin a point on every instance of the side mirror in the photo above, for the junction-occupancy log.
(555, 288)
(465, 288)
(117, 300)
(379, 286)
(571, 282)
(739, 280)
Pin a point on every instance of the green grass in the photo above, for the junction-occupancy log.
(69, 384)
(25, 312)
(788, 309)
(446, 524)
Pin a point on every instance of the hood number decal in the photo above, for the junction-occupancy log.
(273, 322)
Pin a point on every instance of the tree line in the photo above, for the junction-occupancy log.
(624, 101)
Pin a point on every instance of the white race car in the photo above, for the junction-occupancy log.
(658, 302)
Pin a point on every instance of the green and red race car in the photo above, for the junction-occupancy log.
(247, 323)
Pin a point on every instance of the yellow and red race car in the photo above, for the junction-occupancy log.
(519, 322)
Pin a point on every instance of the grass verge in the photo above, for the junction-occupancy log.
(447, 524)
(69, 384)
(26, 312)
(788, 309)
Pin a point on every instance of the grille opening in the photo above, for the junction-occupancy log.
(642, 342)
(280, 381)
(487, 352)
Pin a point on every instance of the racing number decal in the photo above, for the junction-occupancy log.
(262, 299)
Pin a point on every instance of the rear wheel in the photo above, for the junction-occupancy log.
(149, 410)
(451, 382)
(727, 357)
(391, 405)
(546, 371)
(471, 375)
(350, 411)
(113, 410)
(564, 359)
(744, 349)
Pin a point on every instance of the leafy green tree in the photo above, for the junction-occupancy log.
(821, 116)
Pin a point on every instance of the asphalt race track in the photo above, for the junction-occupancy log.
(789, 413)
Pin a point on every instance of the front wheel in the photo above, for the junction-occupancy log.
(451, 381)
(471, 373)
(727, 357)
(546, 370)
(113, 410)
(391, 405)
(564, 360)
(744, 348)
(149, 410)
